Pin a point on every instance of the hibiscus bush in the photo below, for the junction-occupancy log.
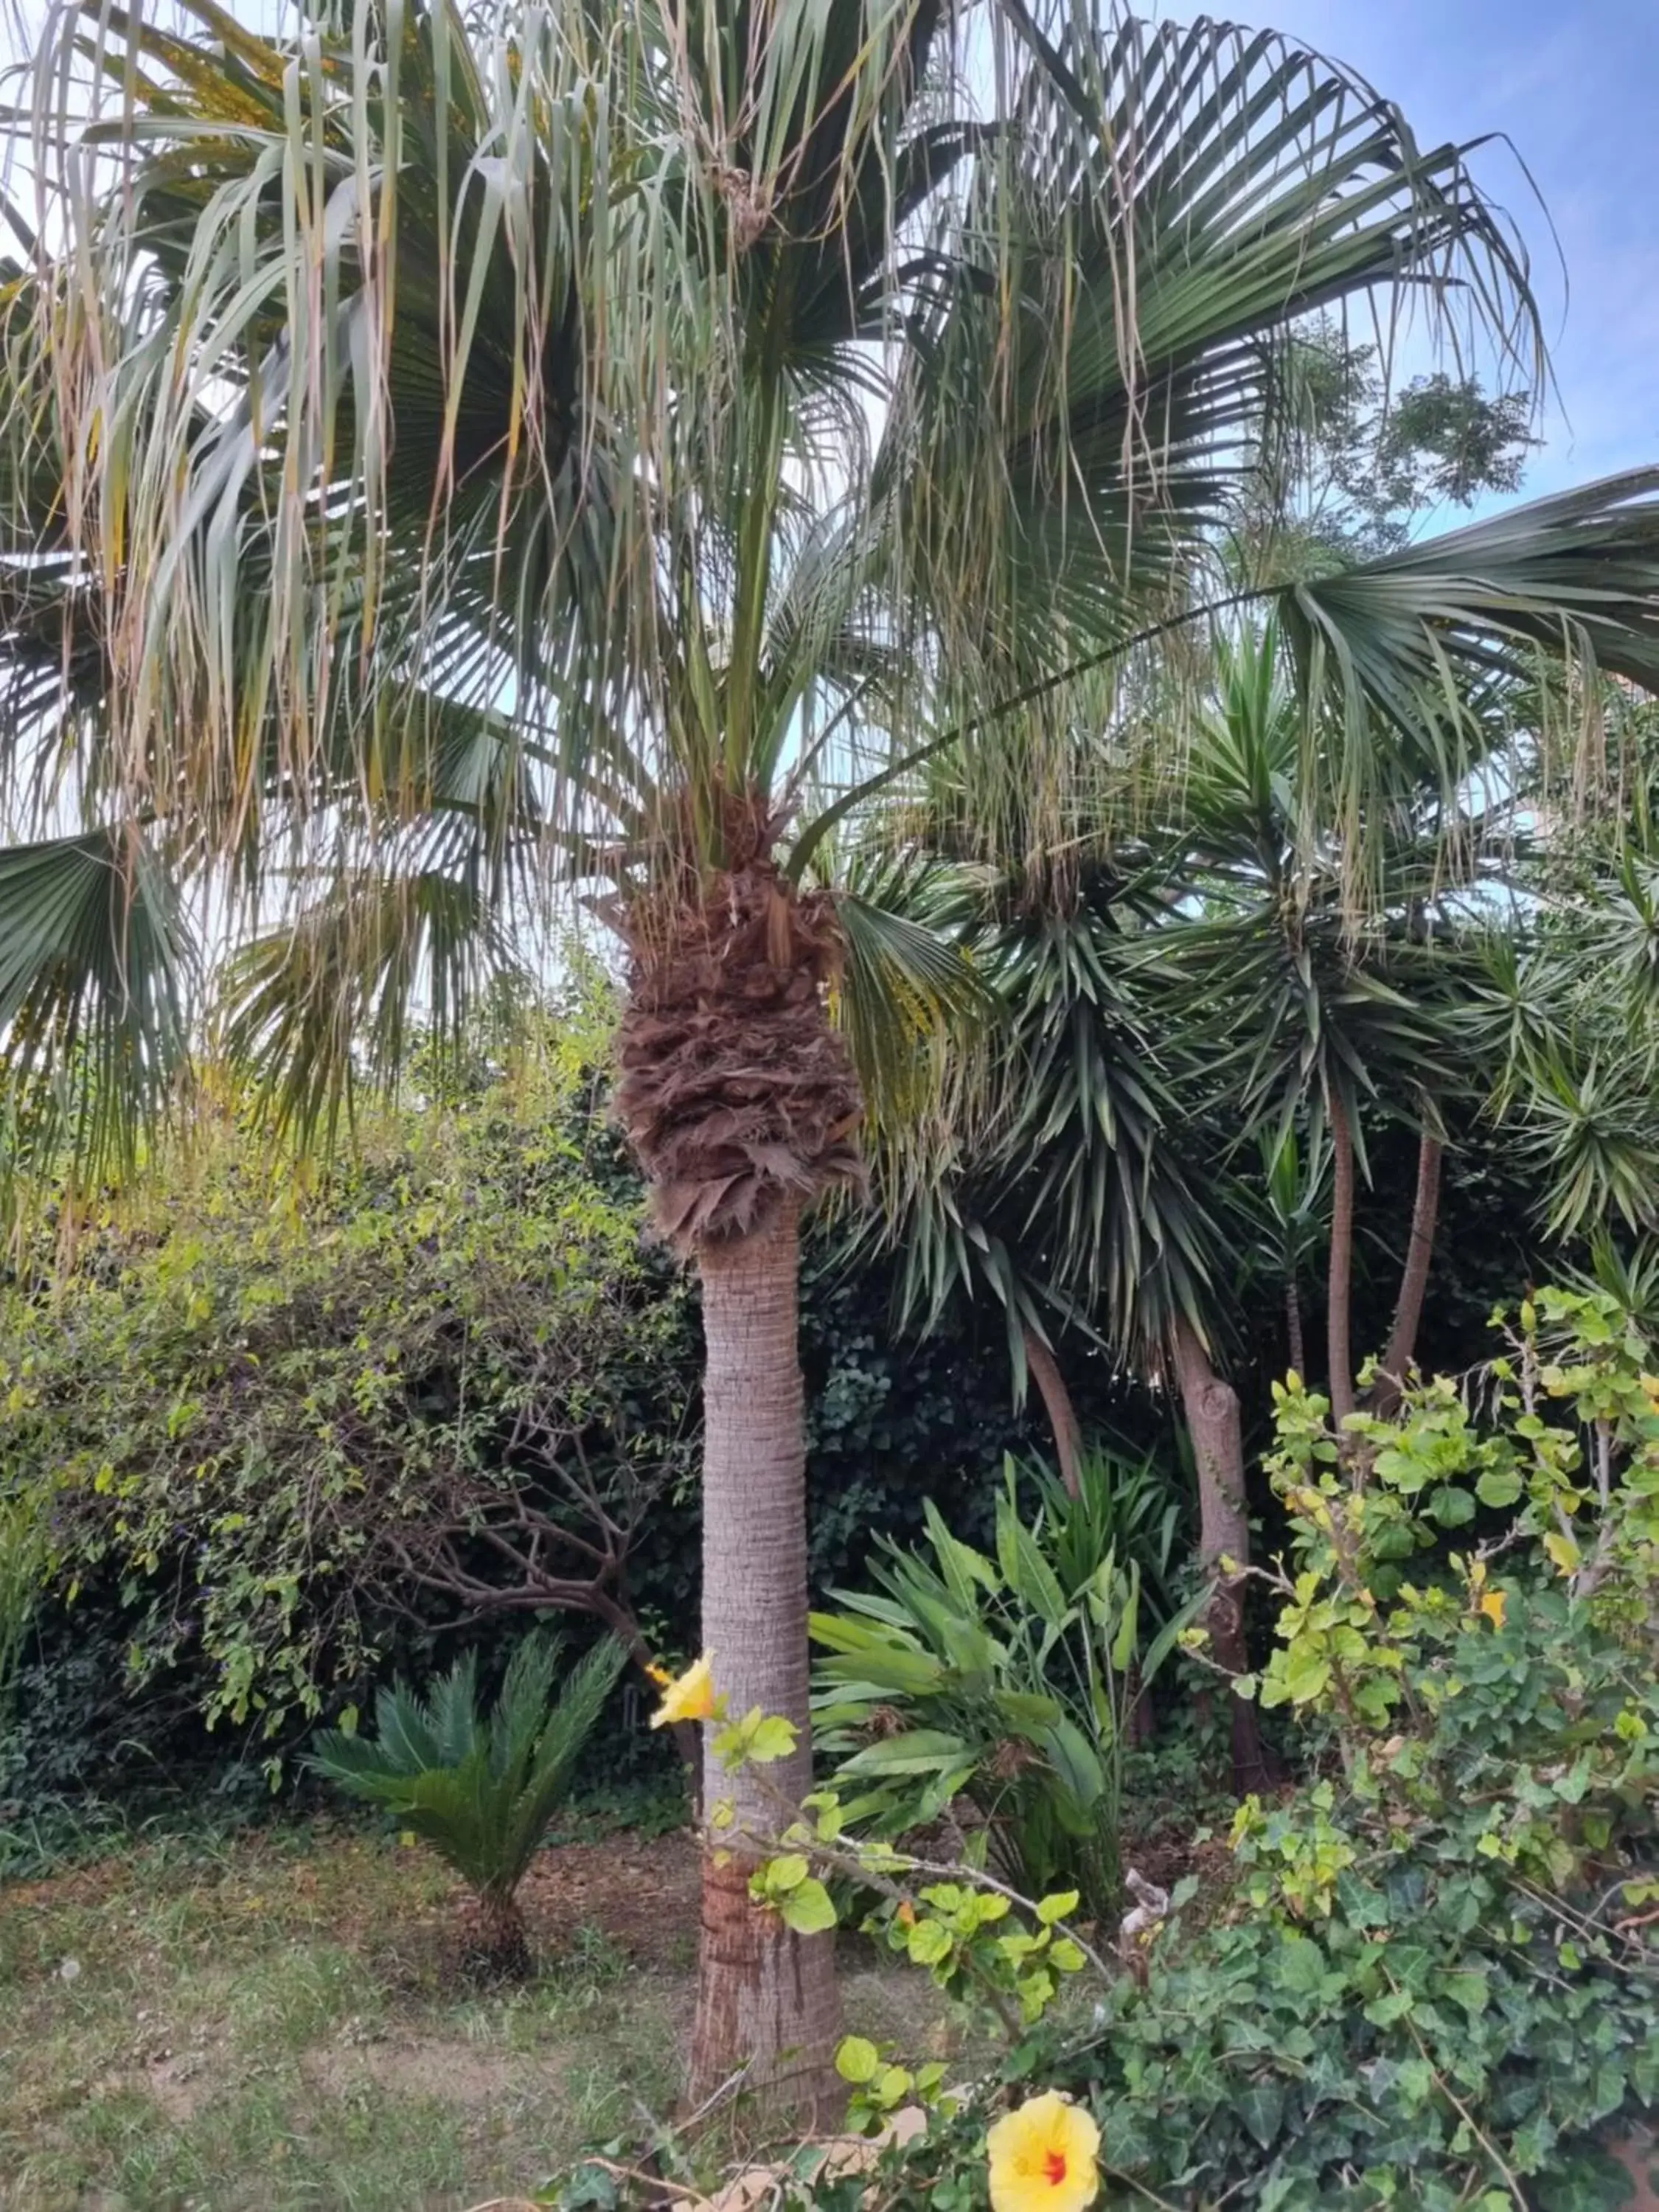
(1430, 1979)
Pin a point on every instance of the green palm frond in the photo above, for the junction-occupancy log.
(912, 999)
(95, 961)
(1589, 1133)
(1177, 197)
(316, 1009)
(1417, 639)
(502, 439)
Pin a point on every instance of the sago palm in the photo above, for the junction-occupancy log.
(456, 455)
(480, 1789)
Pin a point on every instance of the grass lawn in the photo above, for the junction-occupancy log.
(285, 2019)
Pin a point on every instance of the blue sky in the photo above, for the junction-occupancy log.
(1574, 85)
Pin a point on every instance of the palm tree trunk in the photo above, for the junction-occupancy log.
(1296, 1349)
(1413, 1280)
(1210, 1405)
(1338, 1287)
(1057, 1404)
(766, 1996)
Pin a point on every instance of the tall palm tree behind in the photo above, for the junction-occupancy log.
(455, 455)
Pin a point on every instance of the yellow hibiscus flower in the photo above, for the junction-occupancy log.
(1042, 2157)
(690, 1698)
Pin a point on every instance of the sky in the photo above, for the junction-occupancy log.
(1574, 84)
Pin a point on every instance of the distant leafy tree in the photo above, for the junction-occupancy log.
(1360, 462)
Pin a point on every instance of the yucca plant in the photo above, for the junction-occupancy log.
(480, 1789)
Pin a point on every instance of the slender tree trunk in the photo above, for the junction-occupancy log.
(1057, 1404)
(766, 1996)
(1339, 1349)
(1413, 1280)
(1296, 1348)
(1210, 1406)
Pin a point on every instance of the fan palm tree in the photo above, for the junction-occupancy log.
(452, 457)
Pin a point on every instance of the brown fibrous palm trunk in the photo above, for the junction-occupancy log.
(1210, 1406)
(504, 1940)
(1413, 1280)
(741, 1102)
(1339, 1288)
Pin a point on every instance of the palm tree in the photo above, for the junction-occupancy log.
(1206, 998)
(1326, 1010)
(459, 458)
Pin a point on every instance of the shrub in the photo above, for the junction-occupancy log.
(280, 1445)
(1008, 1682)
(481, 1789)
(1429, 1979)
(265, 1440)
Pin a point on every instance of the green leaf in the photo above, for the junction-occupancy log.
(807, 1909)
(1471, 1991)
(927, 1943)
(1261, 2106)
(773, 1739)
(1301, 1965)
(1060, 1905)
(1496, 1488)
(857, 2059)
(1386, 2010)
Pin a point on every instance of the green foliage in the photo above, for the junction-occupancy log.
(1431, 1981)
(1005, 1681)
(275, 1442)
(23, 1550)
(999, 1955)
(357, 1359)
(1435, 1979)
(480, 1789)
(1362, 464)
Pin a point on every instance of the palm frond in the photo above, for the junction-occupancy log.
(315, 1010)
(911, 999)
(96, 964)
